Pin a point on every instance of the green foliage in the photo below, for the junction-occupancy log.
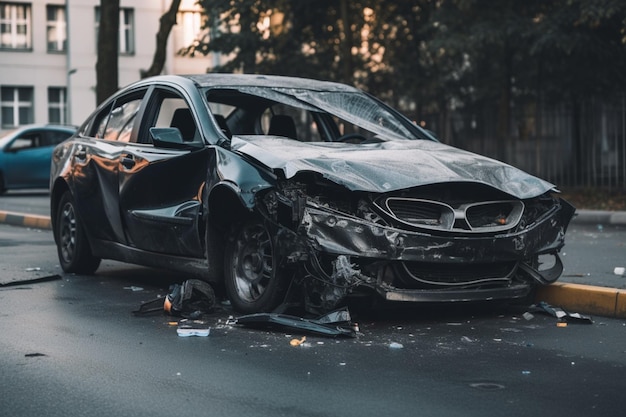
(428, 55)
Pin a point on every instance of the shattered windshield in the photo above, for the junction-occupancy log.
(352, 107)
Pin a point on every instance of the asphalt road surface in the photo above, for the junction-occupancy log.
(70, 346)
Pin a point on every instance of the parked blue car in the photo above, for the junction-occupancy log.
(25, 155)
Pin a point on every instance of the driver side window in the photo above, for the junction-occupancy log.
(169, 109)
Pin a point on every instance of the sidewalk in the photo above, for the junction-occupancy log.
(585, 299)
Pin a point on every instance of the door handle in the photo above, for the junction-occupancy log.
(128, 161)
(81, 153)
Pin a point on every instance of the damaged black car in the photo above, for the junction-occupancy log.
(281, 190)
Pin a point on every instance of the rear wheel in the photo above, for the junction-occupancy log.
(72, 245)
(2, 187)
(254, 282)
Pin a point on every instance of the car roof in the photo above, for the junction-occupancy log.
(256, 80)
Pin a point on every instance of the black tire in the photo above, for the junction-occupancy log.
(72, 245)
(2, 188)
(254, 282)
(215, 254)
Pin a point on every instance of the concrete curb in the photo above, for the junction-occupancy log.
(575, 298)
(26, 220)
(586, 299)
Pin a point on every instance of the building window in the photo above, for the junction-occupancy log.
(57, 32)
(127, 35)
(193, 26)
(16, 104)
(127, 30)
(57, 105)
(15, 26)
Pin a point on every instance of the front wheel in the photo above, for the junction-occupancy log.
(72, 245)
(253, 280)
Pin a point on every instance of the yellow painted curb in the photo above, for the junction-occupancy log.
(586, 299)
(31, 220)
(620, 308)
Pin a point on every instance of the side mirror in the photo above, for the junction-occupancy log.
(171, 138)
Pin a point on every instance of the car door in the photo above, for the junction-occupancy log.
(160, 188)
(95, 157)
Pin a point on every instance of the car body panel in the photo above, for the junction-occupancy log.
(161, 214)
(366, 167)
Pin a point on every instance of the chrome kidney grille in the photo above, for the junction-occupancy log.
(481, 217)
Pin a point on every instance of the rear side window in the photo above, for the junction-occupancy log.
(115, 122)
(119, 124)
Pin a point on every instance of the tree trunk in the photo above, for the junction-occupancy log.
(346, 44)
(108, 41)
(504, 107)
(167, 21)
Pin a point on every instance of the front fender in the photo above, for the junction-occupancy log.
(241, 177)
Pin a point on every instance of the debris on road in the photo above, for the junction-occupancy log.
(335, 323)
(297, 342)
(150, 306)
(559, 313)
(188, 328)
(619, 270)
(192, 299)
(30, 280)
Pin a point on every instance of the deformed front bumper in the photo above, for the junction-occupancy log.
(337, 234)
(332, 232)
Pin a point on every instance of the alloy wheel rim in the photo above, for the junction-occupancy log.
(253, 263)
(68, 233)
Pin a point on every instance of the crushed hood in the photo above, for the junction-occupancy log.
(388, 166)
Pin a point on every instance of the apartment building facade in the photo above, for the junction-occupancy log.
(48, 54)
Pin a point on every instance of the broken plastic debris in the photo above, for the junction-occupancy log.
(560, 314)
(191, 299)
(561, 324)
(395, 345)
(150, 306)
(192, 332)
(528, 316)
(619, 270)
(297, 342)
(335, 323)
(133, 288)
(30, 281)
(33, 269)
(34, 355)
(188, 328)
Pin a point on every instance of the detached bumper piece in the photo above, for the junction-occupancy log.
(335, 324)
